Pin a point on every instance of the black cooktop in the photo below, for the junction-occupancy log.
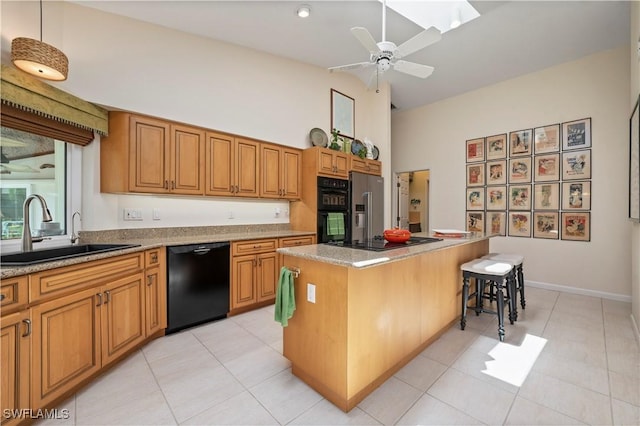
(380, 244)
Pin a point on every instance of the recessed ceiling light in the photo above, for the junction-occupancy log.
(303, 11)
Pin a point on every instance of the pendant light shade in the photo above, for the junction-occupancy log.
(39, 58)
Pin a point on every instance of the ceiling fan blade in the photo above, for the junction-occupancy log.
(350, 66)
(411, 68)
(364, 36)
(420, 41)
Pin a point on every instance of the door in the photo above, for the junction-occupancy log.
(402, 207)
(187, 165)
(270, 161)
(243, 284)
(291, 173)
(267, 276)
(14, 362)
(219, 164)
(149, 153)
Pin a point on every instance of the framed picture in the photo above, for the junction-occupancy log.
(545, 225)
(475, 198)
(546, 167)
(343, 114)
(520, 197)
(576, 226)
(520, 224)
(475, 221)
(520, 170)
(496, 223)
(475, 150)
(546, 139)
(634, 163)
(520, 142)
(576, 165)
(496, 147)
(497, 172)
(497, 197)
(576, 195)
(576, 134)
(475, 174)
(546, 196)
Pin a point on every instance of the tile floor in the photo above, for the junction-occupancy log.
(232, 372)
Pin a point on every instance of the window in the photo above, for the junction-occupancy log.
(32, 164)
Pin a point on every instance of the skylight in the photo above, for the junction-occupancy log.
(444, 15)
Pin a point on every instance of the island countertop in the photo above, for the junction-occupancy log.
(358, 258)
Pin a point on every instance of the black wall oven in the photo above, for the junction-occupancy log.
(333, 200)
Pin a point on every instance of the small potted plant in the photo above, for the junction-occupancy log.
(415, 202)
(335, 139)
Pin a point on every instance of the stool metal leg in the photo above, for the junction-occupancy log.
(500, 301)
(465, 296)
(479, 292)
(521, 285)
(513, 294)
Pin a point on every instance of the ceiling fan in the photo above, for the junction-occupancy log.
(386, 55)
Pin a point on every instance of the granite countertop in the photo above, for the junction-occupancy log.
(358, 258)
(146, 244)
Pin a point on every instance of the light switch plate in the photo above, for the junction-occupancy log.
(311, 292)
(132, 214)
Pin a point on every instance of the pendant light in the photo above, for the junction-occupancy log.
(39, 58)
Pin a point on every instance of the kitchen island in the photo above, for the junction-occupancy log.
(372, 312)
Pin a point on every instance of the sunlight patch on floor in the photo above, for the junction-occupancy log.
(512, 363)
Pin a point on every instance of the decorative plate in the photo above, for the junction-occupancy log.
(318, 137)
(356, 146)
(375, 152)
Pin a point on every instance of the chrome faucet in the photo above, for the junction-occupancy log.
(74, 236)
(27, 238)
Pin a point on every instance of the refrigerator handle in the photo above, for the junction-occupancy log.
(368, 215)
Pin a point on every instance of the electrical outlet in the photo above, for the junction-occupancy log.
(156, 214)
(132, 214)
(231, 216)
(311, 292)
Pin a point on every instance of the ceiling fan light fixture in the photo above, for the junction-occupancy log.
(39, 59)
(303, 11)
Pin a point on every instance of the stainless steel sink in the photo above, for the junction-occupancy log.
(58, 253)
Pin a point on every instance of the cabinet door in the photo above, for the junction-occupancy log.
(65, 345)
(267, 276)
(247, 170)
(123, 320)
(243, 281)
(341, 162)
(291, 172)
(149, 155)
(325, 162)
(155, 301)
(270, 161)
(14, 363)
(219, 164)
(187, 160)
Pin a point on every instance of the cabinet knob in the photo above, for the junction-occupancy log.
(149, 279)
(166, 184)
(108, 294)
(154, 258)
(173, 184)
(237, 190)
(2, 297)
(27, 323)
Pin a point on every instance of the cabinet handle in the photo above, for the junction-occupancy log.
(237, 190)
(173, 184)
(254, 262)
(27, 322)
(149, 279)
(108, 294)
(99, 295)
(166, 184)
(2, 297)
(154, 258)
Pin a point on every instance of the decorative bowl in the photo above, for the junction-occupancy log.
(396, 235)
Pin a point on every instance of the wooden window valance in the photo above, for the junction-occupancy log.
(32, 105)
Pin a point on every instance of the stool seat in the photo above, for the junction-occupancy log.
(516, 260)
(499, 275)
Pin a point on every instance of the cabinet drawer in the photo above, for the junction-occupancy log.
(154, 257)
(71, 278)
(297, 241)
(253, 247)
(14, 293)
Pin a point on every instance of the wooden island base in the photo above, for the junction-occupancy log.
(367, 323)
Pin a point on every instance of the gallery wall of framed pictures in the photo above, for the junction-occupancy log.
(531, 183)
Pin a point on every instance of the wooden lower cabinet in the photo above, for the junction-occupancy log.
(155, 301)
(15, 344)
(253, 279)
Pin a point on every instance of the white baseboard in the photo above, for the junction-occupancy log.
(635, 328)
(582, 291)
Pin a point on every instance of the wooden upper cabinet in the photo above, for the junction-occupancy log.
(231, 166)
(332, 163)
(281, 172)
(372, 167)
(145, 154)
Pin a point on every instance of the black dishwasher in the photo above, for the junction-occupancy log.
(197, 284)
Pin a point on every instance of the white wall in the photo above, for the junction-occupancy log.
(131, 65)
(433, 137)
(635, 91)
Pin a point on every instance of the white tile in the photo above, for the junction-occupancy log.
(171, 344)
(430, 411)
(421, 372)
(618, 325)
(229, 345)
(64, 413)
(574, 332)
(575, 372)
(571, 400)
(463, 392)
(390, 401)
(625, 413)
(285, 396)
(616, 306)
(256, 366)
(242, 409)
(475, 363)
(594, 355)
(450, 345)
(623, 355)
(625, 387)
(180, 363)
(325, 413)
(539, 297)
(525, 412)
(148, 408)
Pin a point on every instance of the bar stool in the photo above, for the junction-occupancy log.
(498, 275)
(517, 261)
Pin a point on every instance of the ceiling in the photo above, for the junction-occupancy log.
(510, 38)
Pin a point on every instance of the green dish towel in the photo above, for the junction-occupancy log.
(335, 225)
(285, 297)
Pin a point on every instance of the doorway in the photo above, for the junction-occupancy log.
(412, 200)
